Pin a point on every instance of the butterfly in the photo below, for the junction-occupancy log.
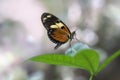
(57, 31)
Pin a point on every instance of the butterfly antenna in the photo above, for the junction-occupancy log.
(75, 36)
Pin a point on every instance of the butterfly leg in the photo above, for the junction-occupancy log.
(58, 45)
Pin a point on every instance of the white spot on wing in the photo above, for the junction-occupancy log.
(48, 16)
(54, 26)
(59, 24)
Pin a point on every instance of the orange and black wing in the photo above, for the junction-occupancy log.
(57, 31)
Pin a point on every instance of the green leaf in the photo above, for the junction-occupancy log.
(56, 59)
(84, 59)
(88, 59)
(108, 61)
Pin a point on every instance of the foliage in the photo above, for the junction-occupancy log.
(85, 58)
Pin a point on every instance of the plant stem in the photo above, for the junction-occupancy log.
(92, 77)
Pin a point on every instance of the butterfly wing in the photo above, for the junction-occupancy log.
(57, 31)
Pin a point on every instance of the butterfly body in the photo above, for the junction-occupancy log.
(57, 31)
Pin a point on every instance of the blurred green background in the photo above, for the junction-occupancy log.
(22, 36)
